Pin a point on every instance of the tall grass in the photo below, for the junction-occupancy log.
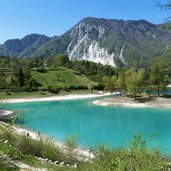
(5, 166)
(71, 142)
(42, 147)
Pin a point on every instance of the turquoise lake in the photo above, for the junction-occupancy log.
(94, 125)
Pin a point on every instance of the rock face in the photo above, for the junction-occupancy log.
(85, 44)
(110, 42)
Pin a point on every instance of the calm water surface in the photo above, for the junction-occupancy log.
(95, 125)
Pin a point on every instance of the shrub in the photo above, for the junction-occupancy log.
(29, 146)
(41, 70)
(137, 157)
(50, 150)
(79, 87)
(42, 147)
(53, 89)
(71, 142)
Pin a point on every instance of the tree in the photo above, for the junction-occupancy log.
(91, 86)
(33, 84)
(20, 76)
(3, 82)
(166, 6)
(13, 84)
(158, 76)
(114, 84)
(62, 60)
(50, 61)
(107, 83)
(121, 82)
(134, 81)
(110, 83)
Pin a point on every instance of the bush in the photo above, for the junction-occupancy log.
(71, 142)
(81, 87)
(29, 146)
(137, 157)
(41, 70)
(53, 89)
(50, 150)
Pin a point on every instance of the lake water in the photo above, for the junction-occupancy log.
(95, 125)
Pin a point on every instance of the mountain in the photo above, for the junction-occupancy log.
(24, 47)
(110, 42)
(165, 57)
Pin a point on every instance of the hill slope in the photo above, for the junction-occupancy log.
(61, 77)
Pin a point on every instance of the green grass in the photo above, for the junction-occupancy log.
(16, 156)
(26, 150)
(61, 77)
(37, 94)
(42, 147)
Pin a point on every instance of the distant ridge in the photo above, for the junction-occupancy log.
(108, 41)
(24, 47)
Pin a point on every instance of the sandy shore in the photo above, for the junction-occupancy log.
(83, 155)
(4, 113)
(80, 153)
(54, 98)
(156, 102)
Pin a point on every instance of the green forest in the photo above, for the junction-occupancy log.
(58, 74)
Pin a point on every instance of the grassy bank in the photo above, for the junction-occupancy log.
(21, 148)
(37, 94)
(51, 82)
(41, 153)
(61, 77)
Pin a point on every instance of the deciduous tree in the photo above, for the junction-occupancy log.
(158, 76)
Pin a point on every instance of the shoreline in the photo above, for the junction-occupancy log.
(5, 113)
(157, 102)
(54, 98)
(83, 155)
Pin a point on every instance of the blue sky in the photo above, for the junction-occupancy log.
(53, 17)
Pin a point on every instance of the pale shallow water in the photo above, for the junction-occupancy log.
(94, 125)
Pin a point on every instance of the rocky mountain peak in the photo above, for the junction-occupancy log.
(108, 41)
